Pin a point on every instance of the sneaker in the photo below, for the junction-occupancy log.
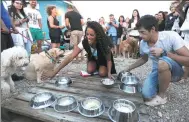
(157, 100)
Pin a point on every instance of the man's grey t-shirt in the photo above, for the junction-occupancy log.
(169, 41)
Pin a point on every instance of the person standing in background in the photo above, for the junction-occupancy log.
(102, 23)
(7, 27)
(35, 24)
(54, 28)
(161, 21)
(112, 32)
(120, 29)
(134, 19)
(74, 22)
(21, 22)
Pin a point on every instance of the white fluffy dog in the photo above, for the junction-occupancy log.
(12, 59)
(40, 62)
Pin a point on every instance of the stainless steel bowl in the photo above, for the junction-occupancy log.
(63, 81)
(108, 83)
(42, 100)
(130, 84)
(130, 88)
(123, 111)
(130, 80)
(91, 107)
(65, 104)
(123, 74)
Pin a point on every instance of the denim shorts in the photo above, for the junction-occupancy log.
(114, 39)
(150, 86)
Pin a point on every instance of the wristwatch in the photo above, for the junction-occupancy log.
(164, 53)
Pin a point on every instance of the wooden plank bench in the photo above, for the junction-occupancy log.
(80, 89)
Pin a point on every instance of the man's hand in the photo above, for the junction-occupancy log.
(47, 74)
(156, 51)
(125, 70)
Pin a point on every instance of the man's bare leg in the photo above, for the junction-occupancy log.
(164, 77)
(39, 46)
(185, 76)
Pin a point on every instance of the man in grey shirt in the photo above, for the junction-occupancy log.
(168, 53)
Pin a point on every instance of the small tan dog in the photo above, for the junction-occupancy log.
(129, 47)
(125, 49)
(40, 62)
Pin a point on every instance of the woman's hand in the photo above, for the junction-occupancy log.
(110, 76)
(48, 74)
(61, 27)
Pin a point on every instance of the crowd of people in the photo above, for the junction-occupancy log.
(162, 37)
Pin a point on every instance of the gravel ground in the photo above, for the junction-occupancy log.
(175, 110)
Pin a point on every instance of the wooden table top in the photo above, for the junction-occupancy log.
(81, 88)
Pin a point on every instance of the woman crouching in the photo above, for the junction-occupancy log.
(98, 47)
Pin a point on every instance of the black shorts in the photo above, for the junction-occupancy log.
(103, 62)
(55, 39)
(6, 41)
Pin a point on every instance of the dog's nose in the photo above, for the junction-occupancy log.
(26, 64)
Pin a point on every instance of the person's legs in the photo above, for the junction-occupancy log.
(39, 38)
(91, 67)
(103, 71)
(118, 43)
(149, 89)
(114, 39)
(54, 45)
(164, 76)
(73, 40)
(4, 38)
(168, 70)
(28, 47)
(80, 35)
(186, 74)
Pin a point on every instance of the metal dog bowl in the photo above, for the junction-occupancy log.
(91, 107)
(123, 74)
(63, 81)
(108, 83)
(123, 111)
(65, 104)
(130, 84)
(42, 100)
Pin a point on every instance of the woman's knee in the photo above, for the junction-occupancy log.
(91, 67)
(103, 71)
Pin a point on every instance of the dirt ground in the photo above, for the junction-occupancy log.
(175, 110)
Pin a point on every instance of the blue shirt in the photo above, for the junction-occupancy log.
(5, 16)
(112, 31)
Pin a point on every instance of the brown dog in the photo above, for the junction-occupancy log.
(40, 62)
(125, 49)
(129, 47)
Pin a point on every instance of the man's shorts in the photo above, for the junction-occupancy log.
(118, 41)
(114, 39)
(150, 86)
(76, 37)
(37, 34)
